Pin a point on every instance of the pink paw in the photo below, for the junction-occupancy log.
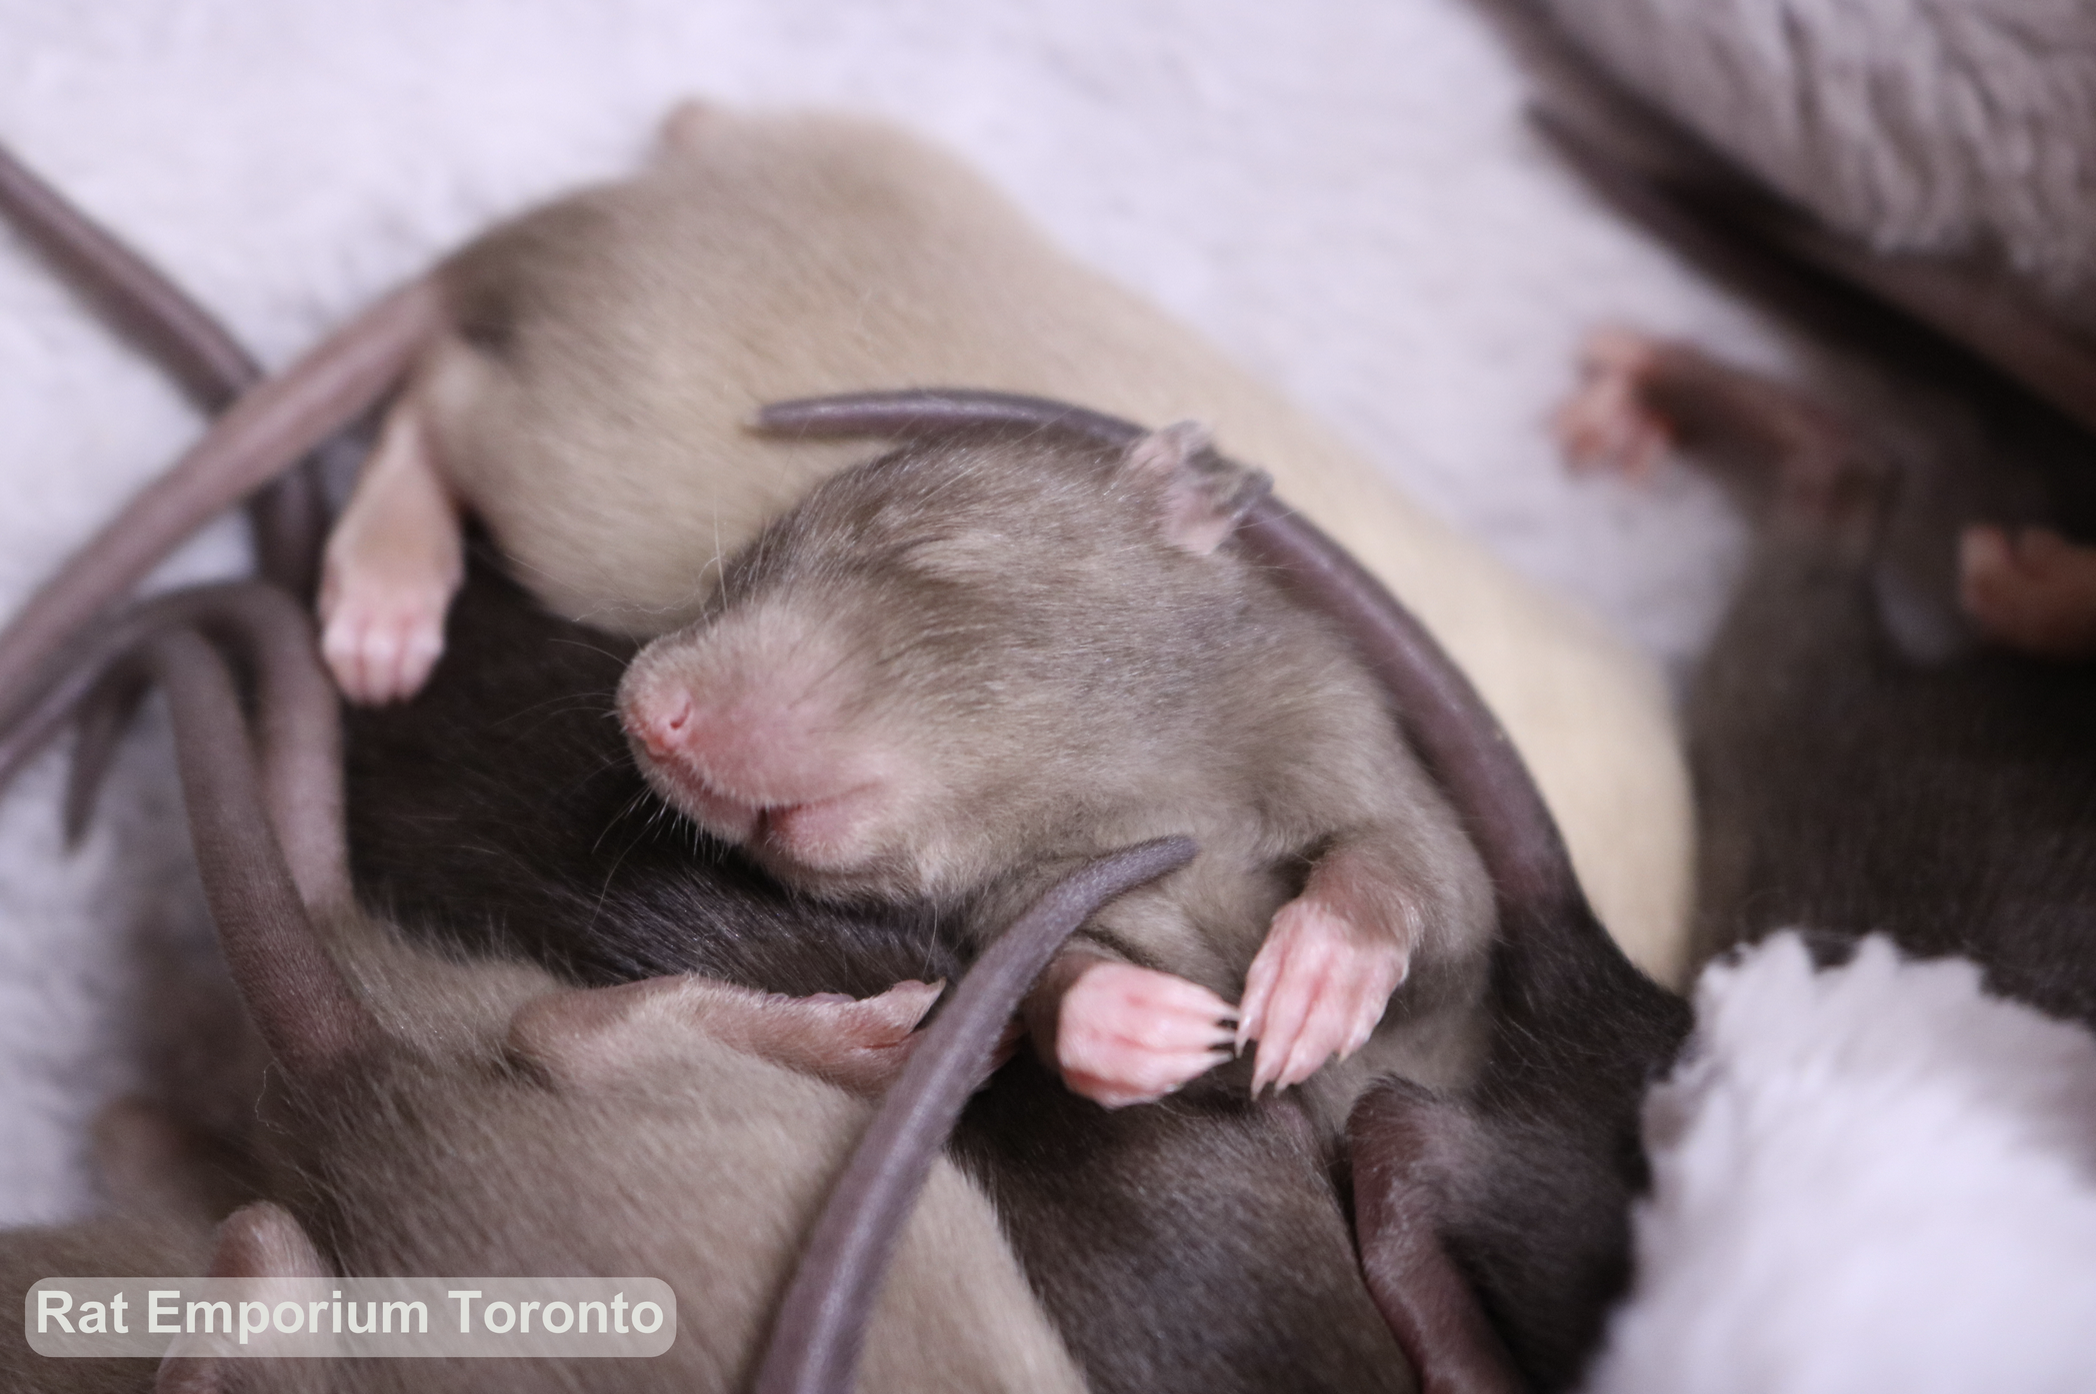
(1607, 423)
(1316, 990)
(381, 636)
(1127, 1035)
(2035, 591)
(858, 1043)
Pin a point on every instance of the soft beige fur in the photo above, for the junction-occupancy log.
(638, 326)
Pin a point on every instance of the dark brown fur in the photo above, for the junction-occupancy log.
(500, 810)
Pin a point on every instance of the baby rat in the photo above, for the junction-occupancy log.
(1493, 1208)
(975, 657)
(593, 415)
(1848, 788)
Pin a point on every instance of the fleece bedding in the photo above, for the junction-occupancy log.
(1343, 196)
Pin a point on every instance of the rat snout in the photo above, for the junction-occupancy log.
(657, 719)
(763, 755)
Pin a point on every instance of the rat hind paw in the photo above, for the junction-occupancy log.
(2034, 591)
(1608, 423)
(1316, 990)
(381, 639)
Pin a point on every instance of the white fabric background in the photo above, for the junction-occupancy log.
(1342, 194)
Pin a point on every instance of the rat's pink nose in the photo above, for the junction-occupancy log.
(662, 719)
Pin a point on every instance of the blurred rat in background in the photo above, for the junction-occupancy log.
(1934, 157)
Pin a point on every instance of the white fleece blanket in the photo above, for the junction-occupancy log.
(1342, 195)
(1876, 1177)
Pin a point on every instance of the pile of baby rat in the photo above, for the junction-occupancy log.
(1120, 636)
(1284, 1279)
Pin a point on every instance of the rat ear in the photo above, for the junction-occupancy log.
(264, 1240)
(1204, 494)
(686, 129)
(259, 1241)
(596, 1036)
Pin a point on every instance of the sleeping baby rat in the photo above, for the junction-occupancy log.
(580, 377)
(997, 653)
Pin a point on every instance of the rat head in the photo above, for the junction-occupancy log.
(948, 654)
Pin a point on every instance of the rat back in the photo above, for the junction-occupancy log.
(1850, 790)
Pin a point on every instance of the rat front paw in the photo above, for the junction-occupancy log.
(2034, 591)
(1608, 423)
(381, 635)
(1128, 1035)
(1316, 990)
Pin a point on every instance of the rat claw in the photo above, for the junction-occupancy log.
(1114, 1093)
(1251, 1010)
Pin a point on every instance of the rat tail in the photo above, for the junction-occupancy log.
(821, 1326)
(297, 726)
(267, 831)
(287, 518)
(264, 432)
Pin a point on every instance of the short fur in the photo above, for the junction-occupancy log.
(510, 763)
(415, 1098)
(847, 256)
(500, 811)
(907, 271)
(694, 1162)
(1049, 676)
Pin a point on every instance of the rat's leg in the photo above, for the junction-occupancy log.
(593, 1035)
(1331, 959)
(394, 560)
(1640, 396)
(2033, 591)
(1120, 1034)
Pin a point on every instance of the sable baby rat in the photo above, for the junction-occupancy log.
(970, 658)
(1493, 1214)
(832, 255)
(416, 1097)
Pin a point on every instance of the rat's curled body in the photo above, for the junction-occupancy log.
(980, 657)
